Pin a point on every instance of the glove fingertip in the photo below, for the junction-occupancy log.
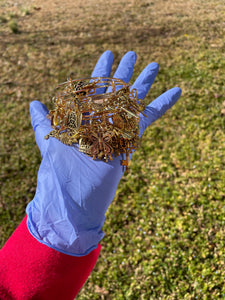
(159, 106)
(150, 72)
(38, 113)
(108, 52)
(107, 56)
(130, 55)
(104, 65)
(37, 105)
(176, 91)
(125, 68)
(145, 80)
(154, 66)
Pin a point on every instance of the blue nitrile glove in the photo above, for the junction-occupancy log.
(73, 190)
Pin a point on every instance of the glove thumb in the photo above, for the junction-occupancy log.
(41, 125)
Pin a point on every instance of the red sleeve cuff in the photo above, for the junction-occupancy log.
(31, 270)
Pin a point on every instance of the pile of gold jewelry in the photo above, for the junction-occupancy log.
(100, 114)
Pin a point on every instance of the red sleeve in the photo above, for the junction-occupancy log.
(31, 270)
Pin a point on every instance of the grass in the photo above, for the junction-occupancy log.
(165, 229)
(13, 26)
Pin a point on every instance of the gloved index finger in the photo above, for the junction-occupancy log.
(104, 65)
(103, 68)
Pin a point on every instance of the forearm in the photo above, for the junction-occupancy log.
(31, 270)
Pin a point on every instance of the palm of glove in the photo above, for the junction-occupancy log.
(73, 190)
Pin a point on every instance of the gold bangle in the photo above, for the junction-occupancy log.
(100, 114)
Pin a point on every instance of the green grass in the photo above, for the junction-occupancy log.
(13, 25)
(164, 232)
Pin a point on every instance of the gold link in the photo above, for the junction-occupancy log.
(104, 125)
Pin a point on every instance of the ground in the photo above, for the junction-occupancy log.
(164, 232)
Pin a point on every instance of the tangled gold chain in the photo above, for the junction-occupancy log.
(102, 123)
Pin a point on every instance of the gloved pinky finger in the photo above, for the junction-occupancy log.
(158, 107)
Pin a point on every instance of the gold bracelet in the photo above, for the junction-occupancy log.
(100, 114)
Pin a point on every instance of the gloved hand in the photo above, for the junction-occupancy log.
(73, 190)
